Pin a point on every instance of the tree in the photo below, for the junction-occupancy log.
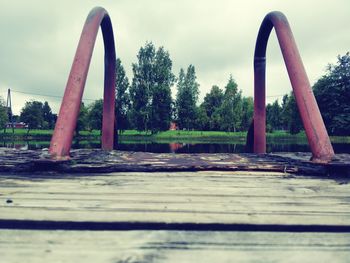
(142, 83)
(332, 92)
(122, 99)
(231, 109)
(284, 113)
(180, 100)
(3, 114)
(213, 100)
(82, 121)
(37, 115)
(186, 98)
(94, 115)
(216, 120)
(273, 116)
(291, 113)
(247, 113)
(161, 92)
(212, 103)
(150, 90)
(48, 117)
(202, 120)
(32, 115)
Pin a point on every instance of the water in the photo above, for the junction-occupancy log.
(182, 147)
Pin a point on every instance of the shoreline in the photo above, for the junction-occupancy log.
(132, 136)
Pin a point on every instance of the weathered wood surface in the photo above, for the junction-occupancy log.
(262, 217)
(186, 200)
(98, 161)
(172, 247)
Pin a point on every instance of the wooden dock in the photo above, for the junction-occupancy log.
(213, 213)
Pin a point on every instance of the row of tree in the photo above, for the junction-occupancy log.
(332, 93)
(35, 114)
(147, 105)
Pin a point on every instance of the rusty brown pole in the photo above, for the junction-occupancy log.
(321, 147)
(64, 130)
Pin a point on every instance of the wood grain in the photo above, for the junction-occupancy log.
(262, 217)
(172, 246)
(178, 198)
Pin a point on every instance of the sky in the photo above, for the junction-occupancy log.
(39, 39)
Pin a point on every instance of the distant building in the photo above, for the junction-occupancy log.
(17, 125)
(173, 126)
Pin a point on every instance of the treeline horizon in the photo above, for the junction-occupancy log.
(146, 103)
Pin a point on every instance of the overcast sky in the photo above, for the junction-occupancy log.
(39, 39)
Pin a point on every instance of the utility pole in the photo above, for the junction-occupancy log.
(9, 111)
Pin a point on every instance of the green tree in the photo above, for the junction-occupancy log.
(216, 120)
(122, 99)
(212, 103)
(82, 122)
(161, 92)
(3, 114)
(332, 93)
(180, 85)
(186, 98)
(141, 88)
(32, 115)
(213, 100)
(49, 121)
(247, 113)
(94, 115)
(273, 116)
(231, 109)
(37, 115)
(150, 90)
(291, 114)
(284, 113)
(202, 120)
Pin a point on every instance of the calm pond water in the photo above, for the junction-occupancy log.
(182, 147)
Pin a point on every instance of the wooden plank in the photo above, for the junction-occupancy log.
(178, 198)
(172, 246)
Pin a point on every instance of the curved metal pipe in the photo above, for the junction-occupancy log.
(61, 140)
(322, 150)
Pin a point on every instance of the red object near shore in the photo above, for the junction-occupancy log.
(173, 126)
(17, 125)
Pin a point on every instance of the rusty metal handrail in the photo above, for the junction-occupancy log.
(321, 147)
(64, 130)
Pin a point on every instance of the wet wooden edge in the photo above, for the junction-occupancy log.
(99, 161)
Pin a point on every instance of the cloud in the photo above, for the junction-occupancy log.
(218, 37)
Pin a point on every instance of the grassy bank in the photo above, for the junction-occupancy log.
(130, 136)
(35, 134)
(183, 136)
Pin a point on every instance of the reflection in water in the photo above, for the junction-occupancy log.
(15, 145)
(177, 147)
